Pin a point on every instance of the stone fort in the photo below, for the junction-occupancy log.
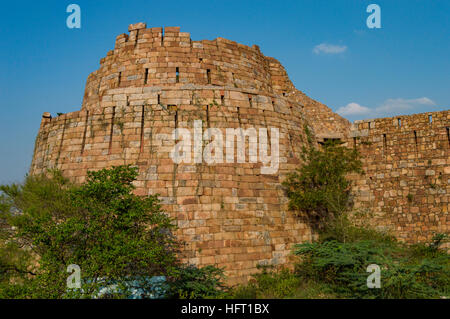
(231, 215)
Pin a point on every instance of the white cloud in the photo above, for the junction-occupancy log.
(394, 105)
(329, 48)
(390, 107)
(352, 109)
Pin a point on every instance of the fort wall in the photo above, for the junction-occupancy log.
(230, 214)
(407, 180)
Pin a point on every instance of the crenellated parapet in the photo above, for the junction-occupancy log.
(166, 57)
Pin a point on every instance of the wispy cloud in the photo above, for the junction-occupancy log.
(398, 105)
(326, 48)
(352, 109)
(390, 107)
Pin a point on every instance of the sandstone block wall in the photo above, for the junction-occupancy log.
(229, 214)
(407, 180)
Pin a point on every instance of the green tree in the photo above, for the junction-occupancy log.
(319, 190)
(113, 235)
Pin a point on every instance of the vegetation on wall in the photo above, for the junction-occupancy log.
(319, 190)
(338, 261)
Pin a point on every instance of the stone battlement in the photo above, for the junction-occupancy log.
(168, 57)
(157, 57)
(421, 121)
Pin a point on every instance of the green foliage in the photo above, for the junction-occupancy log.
(405, 272)
(343, 228)
(14, 263)
(112, 234)
(279, 284)
(191, 282)
(319, 190)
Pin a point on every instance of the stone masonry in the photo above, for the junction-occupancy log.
(156, 80)
(407, 180)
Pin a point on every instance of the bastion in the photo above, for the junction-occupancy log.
(232, 214)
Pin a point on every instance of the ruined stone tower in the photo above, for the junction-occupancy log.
(230, 214)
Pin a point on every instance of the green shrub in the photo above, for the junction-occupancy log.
(404, 273)
(101, 225)
(278, 284)
(345, 228)
(191, 282)
(319, 189)
(269, 284)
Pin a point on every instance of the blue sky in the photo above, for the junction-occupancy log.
(325, 46)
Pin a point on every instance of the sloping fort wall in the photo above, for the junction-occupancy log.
(156, 80)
